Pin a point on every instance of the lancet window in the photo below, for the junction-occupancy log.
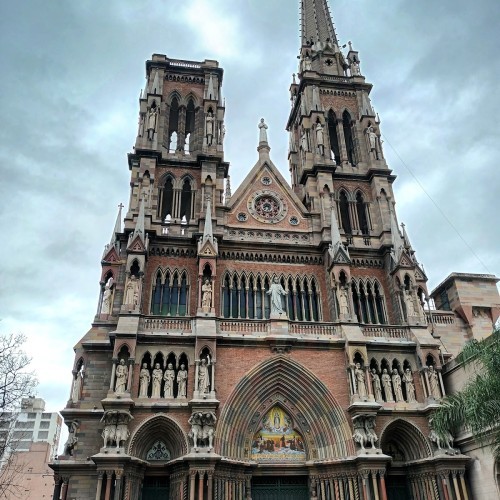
(170, 293)
(245, 297)
(176, 199)
(190, 124)
(361, 209)
(345, 216)
(173, 125)
(368, 300)
(334, 139)
(348, 127)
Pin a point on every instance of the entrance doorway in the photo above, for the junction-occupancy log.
(280, 488)
(155, 488)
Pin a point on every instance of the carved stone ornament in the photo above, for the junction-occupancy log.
(267, 206)
(115, 430)
(72, 439)
(364, 432)
(202, 429)
(442, 441)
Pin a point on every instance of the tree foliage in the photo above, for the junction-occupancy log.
(16, 383)
(476, 408)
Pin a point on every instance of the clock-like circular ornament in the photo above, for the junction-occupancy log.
(267, 206)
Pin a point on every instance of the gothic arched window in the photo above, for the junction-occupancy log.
(170, 294)
(361, 209)
(334, 139)
(368, 302)
(167, 198)
(173, 124)
(349, 137)
(189, 129)
(344, 213)
(186, 200)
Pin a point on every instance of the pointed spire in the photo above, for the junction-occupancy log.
(156, 84)
(207, 230)
(316, 23)
(113, 242)
(335, 232)
(210, 93)
(405, 237)
(139, 226)
(397, 240)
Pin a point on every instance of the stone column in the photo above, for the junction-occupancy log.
(57, 488)
(248, 487)
(210, 484)
(201, 478)
(426, 377)
(364, 479)
(212, 382)
(464, 486)
(374, 484)
(196, 374)
(192, 484)
(352, 380)
(64, 492)
(113, 374)
(109, 479)
(99, 486)
(368, 381)
(446, 485)
(118, 485)
(130, 370)
(422, 382)
(455, 485)
(383, 491)
(443, 393)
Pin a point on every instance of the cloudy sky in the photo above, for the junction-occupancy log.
(71, 76)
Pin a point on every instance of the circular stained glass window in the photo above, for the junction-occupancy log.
(266, 180)
(242, 217)
(294, 221)
(267, 206)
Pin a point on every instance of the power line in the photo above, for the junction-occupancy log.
(436, 205)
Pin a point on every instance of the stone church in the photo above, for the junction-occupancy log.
(276, 341)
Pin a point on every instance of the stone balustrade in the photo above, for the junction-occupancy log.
(386, 331)
(168, 324)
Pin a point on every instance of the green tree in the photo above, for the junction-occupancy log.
(476, 408)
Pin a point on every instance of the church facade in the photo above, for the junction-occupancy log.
(275, 341)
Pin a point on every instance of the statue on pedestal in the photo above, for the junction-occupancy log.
(132, 291)
(377, 386)
(203, 377)
(410, 386)
(206, 298)
(276, 291)
(396, 384)
(182, 382)
(151, 122)
(106, 297)
(359, 375)
(144, 379)
(121, 377)
(262, 131)
(320, 139)
(157, 378)
(209, 127)
(434, 383)
(169, 377)
(387, 385)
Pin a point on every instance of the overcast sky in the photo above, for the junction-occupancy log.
(71, 76)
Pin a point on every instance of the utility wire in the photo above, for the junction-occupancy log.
(436, 205)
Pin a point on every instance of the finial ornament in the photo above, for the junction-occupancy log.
(262, 131)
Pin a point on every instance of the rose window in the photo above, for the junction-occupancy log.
(267, 206)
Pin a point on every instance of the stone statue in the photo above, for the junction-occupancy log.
(106, 297)
(132, 291)
(343, 302)
(307, 63)
(387, 385)
(439, 439)
(371, 436)
(209, 419)
(359, 434)
(209, 127)
(121, 375)
(72, 439)
(276, 291)
(203, 377)
(182, 382)
(152, 119)
(410, 386)
(396, 384)
(304, 143)
(109, 432)
(262, 131)
(169, 377)
(434, 383)
(157, 378)
(372, 138)
(355, 69)
(122, 432)
(359, 375)
(222, 134)
(196, 423)
(320, 139)
(144, 379)
(206, 298)
(410, 306)
(77, 384)
(377, 386)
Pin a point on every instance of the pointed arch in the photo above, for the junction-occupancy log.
(147, 433)
(345, 215)
(348, 128)
(333, 134)
(407, 439)
(319, 417)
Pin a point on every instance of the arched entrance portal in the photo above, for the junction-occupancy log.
(280, 488)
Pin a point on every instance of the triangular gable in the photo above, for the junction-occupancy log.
(405, 260)
(111, 256)
(207, 250)
(136, 245)
(265, 180)
(341, 256)
(419, 274)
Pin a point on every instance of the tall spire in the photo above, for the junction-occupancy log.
(316, 23)
(397, 240)
(113, 242)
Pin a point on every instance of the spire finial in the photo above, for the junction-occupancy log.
(316, 23)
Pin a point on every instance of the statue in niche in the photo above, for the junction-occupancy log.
(377, 386)
(410, 306)
(144, 379)
(132, 291)
(203, 376)
(222, 133)
(359, 375)
(72, 439)
(77, 384)
(396, 384)
(387, 385)
(355, 69)
(304, 143)
(182, 382)
(434, 383)
(151, 122)
(206, 297)
(169, 377)
(410, 386)
(157, 378)
(209, 127)
(343, 302)
(372, 138)
(262, 130)
(276, 291)
(320, 139)
(106, 297)
(121, 377)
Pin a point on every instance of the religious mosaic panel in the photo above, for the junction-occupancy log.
(277, 441)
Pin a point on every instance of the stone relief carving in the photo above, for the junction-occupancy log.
(115, 427)
(202, 429)
(72, 439)
(364, 431)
